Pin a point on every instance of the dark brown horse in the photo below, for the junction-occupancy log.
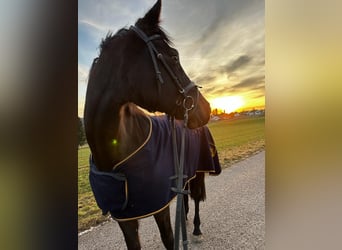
(137, 66)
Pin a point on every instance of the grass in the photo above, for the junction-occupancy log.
(234, 139)
(238, 139)
(88, 212)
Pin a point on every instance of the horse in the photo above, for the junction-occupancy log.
(138, 67)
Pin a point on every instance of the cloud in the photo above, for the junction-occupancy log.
(217, 91)
(250, 83)
(205, 79)
(258, 95)
(238, 63)
(230, 40)
(212, 91)
(94, 25)
(82, 74)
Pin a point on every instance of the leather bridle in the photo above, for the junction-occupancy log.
(188, 102)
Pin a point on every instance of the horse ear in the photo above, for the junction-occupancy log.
(151, 18)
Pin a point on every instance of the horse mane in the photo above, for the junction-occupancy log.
(105, 45)
(106, 42)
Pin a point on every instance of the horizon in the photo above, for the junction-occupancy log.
(215, 110)
(223, 53)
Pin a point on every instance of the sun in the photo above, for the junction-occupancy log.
(227, 104)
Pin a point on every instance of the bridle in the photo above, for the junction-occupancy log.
(188, 102)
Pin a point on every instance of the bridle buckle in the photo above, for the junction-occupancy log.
(188, 103)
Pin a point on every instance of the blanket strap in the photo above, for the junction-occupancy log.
(180, 222)
(176, 160)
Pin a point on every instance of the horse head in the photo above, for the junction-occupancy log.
(146, 71)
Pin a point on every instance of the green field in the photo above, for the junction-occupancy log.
(235, 140)
(238, 139)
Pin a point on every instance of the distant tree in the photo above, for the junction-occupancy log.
(81, 133)
(214, 111)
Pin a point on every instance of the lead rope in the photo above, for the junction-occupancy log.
(179, 169)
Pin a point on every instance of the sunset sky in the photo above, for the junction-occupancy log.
(220, 43)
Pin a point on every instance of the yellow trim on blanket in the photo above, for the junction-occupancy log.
(146, 215)
(141, 146)
(205, 171)
(157, 211)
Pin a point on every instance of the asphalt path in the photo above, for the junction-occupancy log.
(232, 217)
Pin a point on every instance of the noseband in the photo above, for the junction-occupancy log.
(188, 101)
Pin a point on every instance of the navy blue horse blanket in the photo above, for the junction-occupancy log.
(140, 186)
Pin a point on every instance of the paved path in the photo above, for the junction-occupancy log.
(233, 216)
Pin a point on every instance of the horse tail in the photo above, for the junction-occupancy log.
(197, 187)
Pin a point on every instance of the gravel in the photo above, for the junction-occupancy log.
(232, 217)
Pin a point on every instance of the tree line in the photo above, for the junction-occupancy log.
(82, 140)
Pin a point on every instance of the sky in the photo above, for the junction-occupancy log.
(220, 44)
